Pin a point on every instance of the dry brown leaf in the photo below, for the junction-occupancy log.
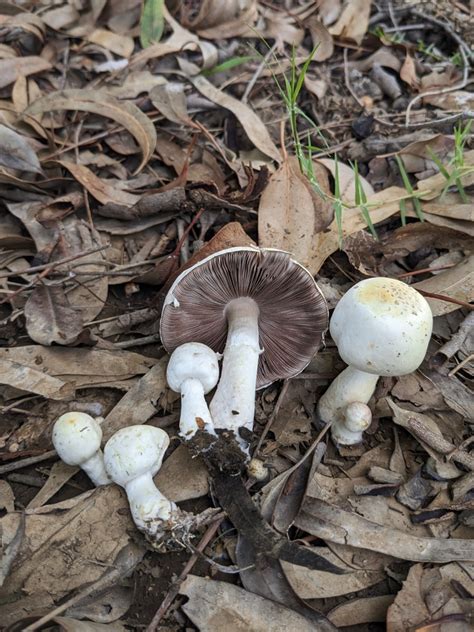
(16, 152)
(68, 545)
(60, 17)
(80, 367)
(119, 44)
(215, 606)
(408, 72)
(138, 405)
(100, 102)
(310, 584)
(457, 283)
(242, 26)
(358, 611)
(322, 39)
(74, 625)
(430, 594)
(182, 476)
(252, 124)
(33, 380)
(170, 100)
(291, 213)
(460, 100)
(353, 21)
(21, 66)
(50, 317)
(100, 190)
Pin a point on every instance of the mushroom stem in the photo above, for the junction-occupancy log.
(233, 405)
(95, 469)
(149, 507)
(352, 385)
(194, 411)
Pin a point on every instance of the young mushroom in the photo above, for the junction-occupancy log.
(193, 371)
(76, 439)
(259, 307)
(133, 456)
(381, 326)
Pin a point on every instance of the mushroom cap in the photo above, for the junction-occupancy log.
(382, 326)
(134, 451)
(293, 314)
(76, 437)
(357, 417)
(193, 360)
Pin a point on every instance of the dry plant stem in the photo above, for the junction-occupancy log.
(440, 444)
(174, 590)
(462, 364)
(31, 460)
(257, 73)
(347, 81)
(447, 299)
(54, 264)
(271, 419)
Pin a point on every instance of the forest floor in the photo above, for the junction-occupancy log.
(134, 140)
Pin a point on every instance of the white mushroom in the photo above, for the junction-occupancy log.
(348, 429)
(381, 326)
(193, 371)
(133, 456)
(76, 438)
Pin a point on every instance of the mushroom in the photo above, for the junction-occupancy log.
(381, 326)
(193, 371)
(348, 429)
(76, 438)
(258, 306)
(133, 456)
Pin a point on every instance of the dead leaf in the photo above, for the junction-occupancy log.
(60, 17)
(353, 21)
(460, 100)
(138, 405)
(74, 625)
(215, 606)
(408, 72)
(50, 317)
(429, 594)
(102, 191)
(291, 212)
(68, 545)
(170, 100)
(21, 66)
(121, 45)
(358, 611)
(16, 153)
(33, 380)
(182, 476)
(214, 13)
(457, 283)
(252, 124)
(322, 39)
(310, 584)
(99, 102)
(80, 367)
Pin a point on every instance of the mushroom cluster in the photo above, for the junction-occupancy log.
(262, 310)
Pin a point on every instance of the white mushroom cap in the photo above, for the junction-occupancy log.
(76, 437)
(382, 326)
(193, 360)
(134, 451)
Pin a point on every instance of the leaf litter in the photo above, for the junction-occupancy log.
(134, 142)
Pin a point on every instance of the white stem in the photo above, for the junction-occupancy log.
(195, 414)
(352, 385)
(233, 405)
(148, 505)
(95, 469)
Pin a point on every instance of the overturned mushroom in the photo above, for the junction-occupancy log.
(258, 306)
(381, 326)
(76, 439)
